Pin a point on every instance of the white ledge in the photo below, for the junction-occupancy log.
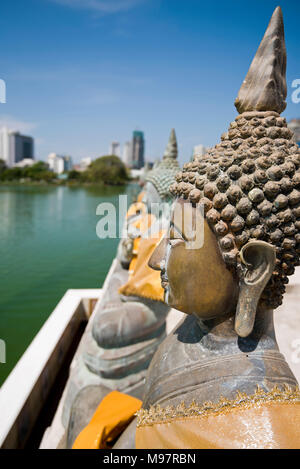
(25, 376)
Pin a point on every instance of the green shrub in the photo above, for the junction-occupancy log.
(108, 170)
(74, 175)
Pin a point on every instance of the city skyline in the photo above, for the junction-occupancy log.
(132, 153)
(98, 72)
(15, 147)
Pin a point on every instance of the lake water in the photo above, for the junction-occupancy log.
(48, 244)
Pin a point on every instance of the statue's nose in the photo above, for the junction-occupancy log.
(157, 260)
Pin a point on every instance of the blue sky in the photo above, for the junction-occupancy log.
(82, 73)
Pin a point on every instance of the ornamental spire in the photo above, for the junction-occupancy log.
(171, 149)
(264, 88)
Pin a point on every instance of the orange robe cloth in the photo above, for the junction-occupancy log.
(112, 416)
(144, 281)
(141, 196)
(136, 209)
(262, 426)
(143, 224)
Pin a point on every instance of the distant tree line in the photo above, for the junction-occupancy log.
(108, 170)
(37, 172)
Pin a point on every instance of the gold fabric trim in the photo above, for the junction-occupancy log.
(157, 414)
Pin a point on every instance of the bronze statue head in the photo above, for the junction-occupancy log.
(249, 189)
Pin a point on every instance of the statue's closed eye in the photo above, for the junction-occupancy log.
(175, 236)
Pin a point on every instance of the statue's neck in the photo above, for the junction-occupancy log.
(221, 331)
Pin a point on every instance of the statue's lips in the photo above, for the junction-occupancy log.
(164, 280)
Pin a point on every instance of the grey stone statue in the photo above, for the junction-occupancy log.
(119, 343)
(244, 195)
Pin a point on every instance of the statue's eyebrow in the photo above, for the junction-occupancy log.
(172, 225)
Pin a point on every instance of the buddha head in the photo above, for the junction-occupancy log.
(158, 180)
(244, 194)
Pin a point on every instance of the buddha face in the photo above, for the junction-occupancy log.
(196, 280)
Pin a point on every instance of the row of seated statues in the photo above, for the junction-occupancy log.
(129, 322)
(232, 239)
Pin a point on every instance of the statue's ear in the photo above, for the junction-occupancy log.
(257, 266)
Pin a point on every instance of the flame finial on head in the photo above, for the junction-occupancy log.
(164, 174)
(171, 149)
(264, 88)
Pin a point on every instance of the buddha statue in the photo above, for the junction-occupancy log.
(218, 380)
(130, 231)
(156, 192)
(112, 328)
(125, 329)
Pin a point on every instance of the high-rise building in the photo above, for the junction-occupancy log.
(68, 163)
(59, 164)
(127, 154)
(15, 147)
(114, 149)
(85, 163)
(138, 150)
(294, 125)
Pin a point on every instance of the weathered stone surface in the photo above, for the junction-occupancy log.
(129, 322)
(264, 88)
(81, 375)
(193, 364)
(127, 439)
(171, 151)
(164, 174)
(83, 409)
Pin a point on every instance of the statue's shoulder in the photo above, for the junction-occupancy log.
(178, 353)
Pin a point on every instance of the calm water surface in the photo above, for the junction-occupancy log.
(48, 244)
